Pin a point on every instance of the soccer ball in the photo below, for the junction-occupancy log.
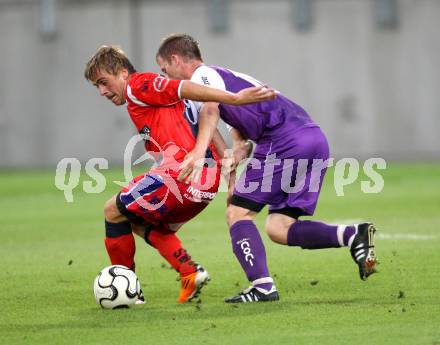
(116, 287)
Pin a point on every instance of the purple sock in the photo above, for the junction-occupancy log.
(248, 247)
(309, 234)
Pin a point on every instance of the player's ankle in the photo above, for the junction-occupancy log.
(265, 283)
(187, 269)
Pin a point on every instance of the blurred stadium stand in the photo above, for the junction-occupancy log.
(367, 70)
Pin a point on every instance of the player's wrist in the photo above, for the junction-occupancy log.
(198, 152)
(235, 98)
(243, 150)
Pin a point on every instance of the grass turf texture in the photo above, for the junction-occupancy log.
(51, 251)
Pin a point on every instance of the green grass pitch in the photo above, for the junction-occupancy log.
(51, 251)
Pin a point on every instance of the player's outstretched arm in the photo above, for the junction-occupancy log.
(191, 167)
(219, 143)
(201, 93)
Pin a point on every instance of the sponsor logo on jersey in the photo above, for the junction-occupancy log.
(160, 83)
(196, 193)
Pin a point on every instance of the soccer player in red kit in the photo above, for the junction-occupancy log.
(155, 205)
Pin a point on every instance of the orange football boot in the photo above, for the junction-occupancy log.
(192, 284)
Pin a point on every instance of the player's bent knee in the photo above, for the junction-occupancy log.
(235, 214)
(275, 234)
(111, 211)
(232, 215)
(277, 229)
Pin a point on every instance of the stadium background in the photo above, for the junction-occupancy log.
(366, 70)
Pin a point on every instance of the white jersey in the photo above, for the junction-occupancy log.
(205, 75)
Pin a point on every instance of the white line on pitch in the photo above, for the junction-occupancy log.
(407, 236)
(387, 236)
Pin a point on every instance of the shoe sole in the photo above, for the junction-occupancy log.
(227, 300)
(371, 259)
(247, 301)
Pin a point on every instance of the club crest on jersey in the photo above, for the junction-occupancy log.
(160, 83)
(145, 133)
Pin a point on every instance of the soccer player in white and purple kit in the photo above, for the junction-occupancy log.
(285, 172)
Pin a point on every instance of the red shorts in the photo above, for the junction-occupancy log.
(158, 198)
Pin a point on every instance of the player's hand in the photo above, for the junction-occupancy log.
(191, 167)
(242, 152)
(232, 158)
(255, 94)
(228, 164)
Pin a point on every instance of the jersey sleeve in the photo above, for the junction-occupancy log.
(150, 89)
(205, 75)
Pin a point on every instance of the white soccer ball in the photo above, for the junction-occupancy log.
(116, 287)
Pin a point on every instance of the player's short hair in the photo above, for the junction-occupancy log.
(179, 44)
(110, 59)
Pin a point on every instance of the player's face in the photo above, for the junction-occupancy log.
(172, 68)
(112, 86)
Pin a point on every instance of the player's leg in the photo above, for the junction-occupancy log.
(157, 206)
(119, 240)
(249, 250)
(193, 276)
(283, 226)
(309, 234)
(121, 221)
(170, 248)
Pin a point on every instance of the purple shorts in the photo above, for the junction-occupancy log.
(285, 172)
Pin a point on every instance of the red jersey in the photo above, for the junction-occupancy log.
(162, 118)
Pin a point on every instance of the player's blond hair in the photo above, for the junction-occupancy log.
(110, 59)
(179, 44)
